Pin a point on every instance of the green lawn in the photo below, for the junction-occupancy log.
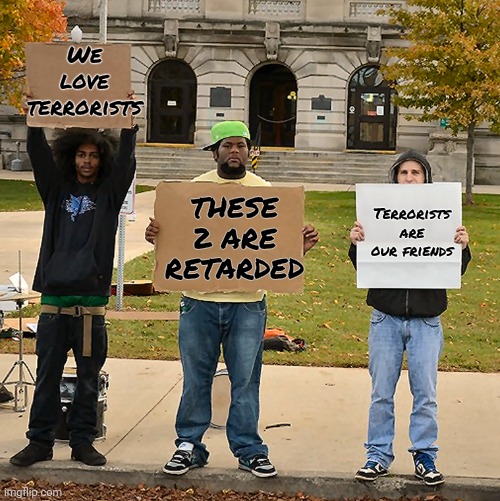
(331, 314)
(18, 195)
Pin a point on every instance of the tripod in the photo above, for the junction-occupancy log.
(21, 385)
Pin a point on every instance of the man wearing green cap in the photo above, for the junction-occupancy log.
(234, 320)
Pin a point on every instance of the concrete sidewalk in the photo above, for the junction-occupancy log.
(313, 419)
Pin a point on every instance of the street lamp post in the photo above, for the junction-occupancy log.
(103, 21)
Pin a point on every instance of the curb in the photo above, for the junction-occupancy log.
(321, 484)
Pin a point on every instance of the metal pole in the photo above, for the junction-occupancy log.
(103, 21)
(103, 38)
(121, 262)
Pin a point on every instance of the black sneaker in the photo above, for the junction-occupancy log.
(182, 461)
(32, 453)
(87, 454)
(371, 471)
(259, 465)
(5, 395)
(426, 470)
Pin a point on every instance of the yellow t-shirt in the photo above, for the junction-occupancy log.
(250, 179)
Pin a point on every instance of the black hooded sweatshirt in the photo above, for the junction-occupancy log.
(81, 219)
(410, 302)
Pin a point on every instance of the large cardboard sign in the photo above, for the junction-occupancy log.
(409, 231)
(228, 237)
(79, 85)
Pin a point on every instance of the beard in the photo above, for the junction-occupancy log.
(232, 172)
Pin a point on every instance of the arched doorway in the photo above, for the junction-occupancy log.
(371, 113)
(172, 103)
(273, 105)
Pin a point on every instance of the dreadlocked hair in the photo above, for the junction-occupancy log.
(67, 141)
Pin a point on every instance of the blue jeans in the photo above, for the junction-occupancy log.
(203, 327)
(56, 335)
(389, 338)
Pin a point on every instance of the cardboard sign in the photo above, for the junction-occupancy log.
(228, 237)
(79, 85)
(409, 231)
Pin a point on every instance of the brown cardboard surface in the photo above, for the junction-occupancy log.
(181, 227)
(49, 71)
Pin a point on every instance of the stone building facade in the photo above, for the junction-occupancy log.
(303, 73)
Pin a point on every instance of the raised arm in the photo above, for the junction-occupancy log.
(42, 161)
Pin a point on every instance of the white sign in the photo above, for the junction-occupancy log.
(409, 231)
(129, 201)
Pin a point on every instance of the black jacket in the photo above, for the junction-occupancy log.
(81, 219)
(410, 302)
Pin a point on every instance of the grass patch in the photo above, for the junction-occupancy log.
(331, 314)
(17, 195)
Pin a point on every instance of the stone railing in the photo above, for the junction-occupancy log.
(369, 9)
(275, 7)
(178, 6)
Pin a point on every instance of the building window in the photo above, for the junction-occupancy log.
(370, 9)
(280, 7)
(183, 6)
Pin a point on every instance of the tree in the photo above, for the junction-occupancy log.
(451, 66)
(23, 21)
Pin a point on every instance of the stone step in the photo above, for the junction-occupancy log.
(286, 165)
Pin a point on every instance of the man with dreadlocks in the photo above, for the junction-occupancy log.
(82, 181)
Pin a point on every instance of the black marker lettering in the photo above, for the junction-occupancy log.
(248, 238)
(80, 55)
(267, 239)
(209, 263)
(230, 238)
(191, 269)
(278, 269)
(200, 241)
(299, 268)
(172, 268)
(234, 210)
(243, 268)
(226, 268)
(261, 268)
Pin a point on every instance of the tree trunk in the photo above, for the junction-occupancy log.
(470, 163)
